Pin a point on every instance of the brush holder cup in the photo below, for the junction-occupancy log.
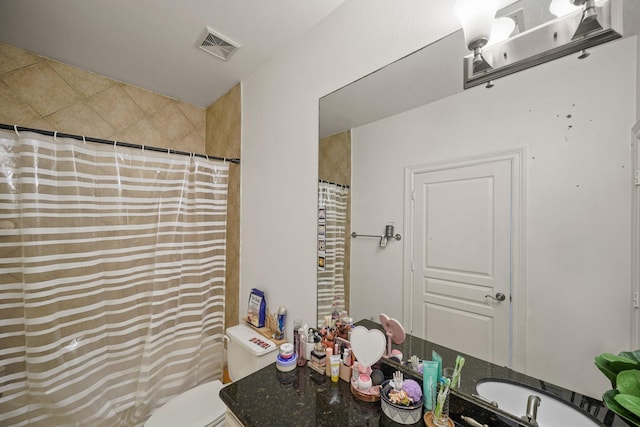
(439, 416)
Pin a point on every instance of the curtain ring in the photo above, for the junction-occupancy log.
(55, 136)
(84, 140)
(15, 128)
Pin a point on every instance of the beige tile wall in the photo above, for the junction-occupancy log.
(335, 158)
(45, 94)
(334, 165)
(41, 93)
(223, 138)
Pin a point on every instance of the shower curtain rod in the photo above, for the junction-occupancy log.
(333, 183)
(115, 143)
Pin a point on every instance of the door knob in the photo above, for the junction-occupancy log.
(499, 297)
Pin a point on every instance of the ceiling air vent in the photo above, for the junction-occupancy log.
(217, 45)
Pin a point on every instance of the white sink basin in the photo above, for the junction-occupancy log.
(512, 398)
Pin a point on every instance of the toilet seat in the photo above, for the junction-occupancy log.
(200, 406)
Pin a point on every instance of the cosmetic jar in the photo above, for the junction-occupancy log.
(286, 351)
(364, 382)
(286, 365)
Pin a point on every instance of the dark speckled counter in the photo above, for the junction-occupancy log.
(305, 398)
(302, 398)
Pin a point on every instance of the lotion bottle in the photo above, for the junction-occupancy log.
(329, 353)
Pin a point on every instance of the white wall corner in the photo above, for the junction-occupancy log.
(407, 279)
(635, 239)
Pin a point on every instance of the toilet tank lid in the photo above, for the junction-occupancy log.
(196, 407)
(251, 340)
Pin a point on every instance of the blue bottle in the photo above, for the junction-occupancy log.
(282, 317)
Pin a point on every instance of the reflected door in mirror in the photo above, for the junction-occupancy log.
(461, 246)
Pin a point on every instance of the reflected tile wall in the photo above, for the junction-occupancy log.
(334, 165)
(335, 158)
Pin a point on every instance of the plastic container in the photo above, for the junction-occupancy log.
(399, 413)
(364, 382)
(286, 351)
(248, 351)
(286, 365)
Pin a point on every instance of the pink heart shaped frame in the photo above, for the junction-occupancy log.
(367, 345)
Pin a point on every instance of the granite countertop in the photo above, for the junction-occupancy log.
(303, 397)
(300, 398)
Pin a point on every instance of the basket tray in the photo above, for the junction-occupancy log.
(371, 395)
(428, 420)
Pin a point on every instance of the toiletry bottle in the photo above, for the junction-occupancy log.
(329, 353)
(282, 316)
(346, 356)
(335, 317)
(300, 350)
(355, 371)
(297, 324)
(309, 346)
(335, 368)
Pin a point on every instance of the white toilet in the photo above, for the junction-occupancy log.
(201, 406)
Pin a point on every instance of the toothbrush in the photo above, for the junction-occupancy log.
(456, 371)
(445, 383)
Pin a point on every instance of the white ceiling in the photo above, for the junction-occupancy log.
(154, 43)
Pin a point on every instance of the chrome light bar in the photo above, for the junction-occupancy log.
(549, 41)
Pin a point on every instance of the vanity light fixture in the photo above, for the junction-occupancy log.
(580, 24)
(476, 18)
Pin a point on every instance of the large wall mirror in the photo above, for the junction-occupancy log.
(429, 74)
(574, 174)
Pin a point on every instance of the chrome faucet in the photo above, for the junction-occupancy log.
(533, 402)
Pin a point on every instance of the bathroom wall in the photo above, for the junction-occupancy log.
(41, 93)
(334, 165)
(577, 198)
(223, 139)
(631, 21)
(280, 133)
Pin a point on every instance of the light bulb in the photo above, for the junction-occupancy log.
(501, 30)
(561, 8)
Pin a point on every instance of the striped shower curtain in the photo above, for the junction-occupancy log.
(332, 222)
(112, 280)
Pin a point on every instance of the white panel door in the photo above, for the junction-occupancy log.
(461, 258)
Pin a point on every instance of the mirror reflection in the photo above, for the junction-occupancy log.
(334, 219)
(396, 88)
(546, 238)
